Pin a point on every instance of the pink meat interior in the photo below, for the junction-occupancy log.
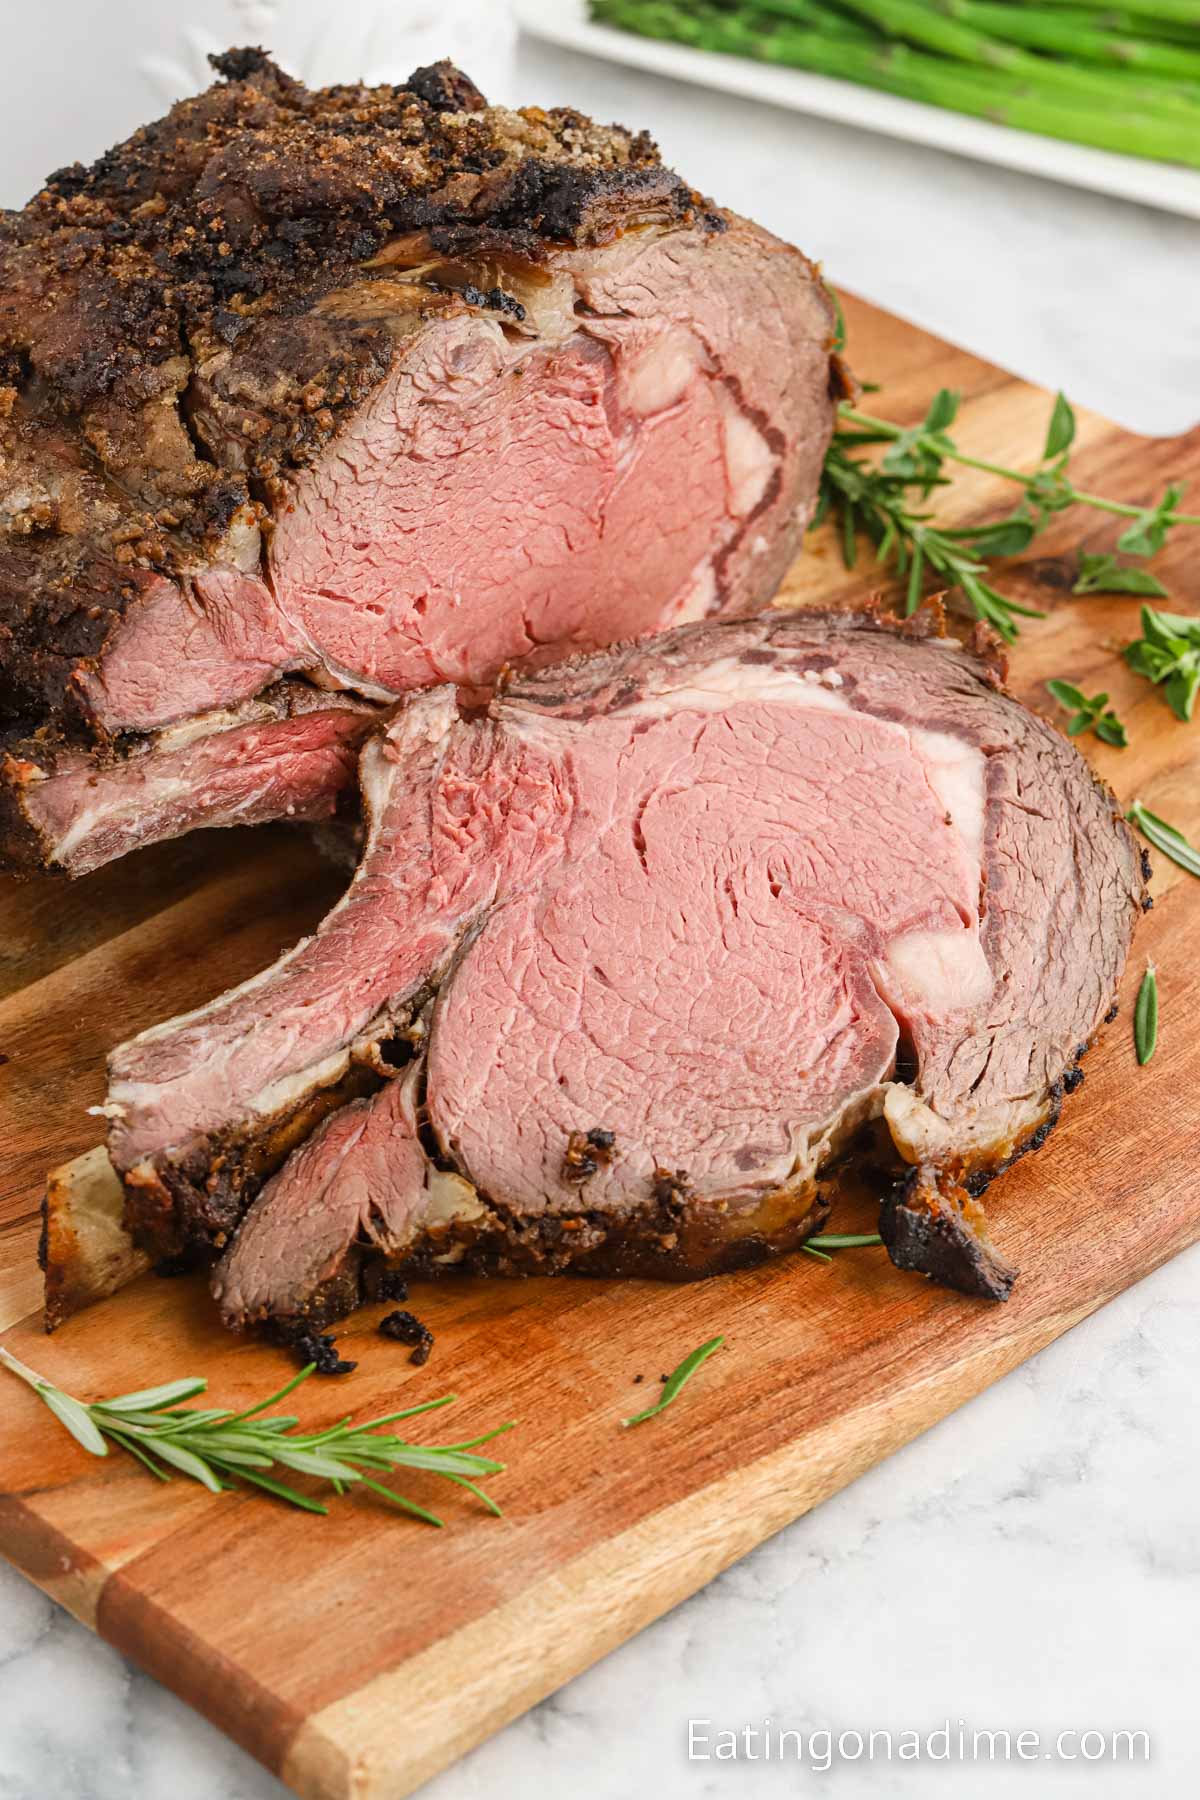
(702, 972)
(696, 925)
(522, 512)
(639, 462)
(240, 774)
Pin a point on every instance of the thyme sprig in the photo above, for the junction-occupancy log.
(223, 1449)
(876, 501)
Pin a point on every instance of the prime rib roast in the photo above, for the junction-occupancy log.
(311, 399)
(635, 959)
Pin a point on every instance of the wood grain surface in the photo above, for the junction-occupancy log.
(358, 1654)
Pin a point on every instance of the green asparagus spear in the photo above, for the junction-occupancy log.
(1152, 12)
(1128, 23)
(1043, 31)
(894, 68)
(812, 12)
(930, 27)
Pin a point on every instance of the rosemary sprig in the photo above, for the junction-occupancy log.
(875, 501)
(222, 1449)
(687, 1368)
(1089, 715)
(1145, 1016)
(822, 1245)
(1164, 837)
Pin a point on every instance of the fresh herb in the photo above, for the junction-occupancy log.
(1164, 837)
(676, 1380)
(820, 1246)
(1168, 653)
(223, 1449)
(1089, 715)
(1145, 1016)
(1105, 575)
(1148, 533)
(875, 501)
(1060, 433)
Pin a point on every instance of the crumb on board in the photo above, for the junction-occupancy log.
(406, 1328)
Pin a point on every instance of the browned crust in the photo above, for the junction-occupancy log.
(933, 1226)
(191, 1208)
(673, 1237)
(24, 849)
(231, 220)
(260, 190)
(932, 1221)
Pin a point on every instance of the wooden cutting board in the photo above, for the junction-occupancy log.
(358, 1654)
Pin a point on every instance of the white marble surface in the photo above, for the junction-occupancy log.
(1032, 1562)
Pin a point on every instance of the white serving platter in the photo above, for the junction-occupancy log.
(1165, 185)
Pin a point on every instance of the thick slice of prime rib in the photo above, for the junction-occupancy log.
(631, 960)
(368, 388)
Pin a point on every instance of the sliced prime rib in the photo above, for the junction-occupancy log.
(372, 389)
(631, 960)
(292, 752)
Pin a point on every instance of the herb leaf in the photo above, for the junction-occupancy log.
(1066, 694)
(1168, 651)
(874, 502)
(1105, 575)
(222, 1449)
(1089, 715)
(1008, 537)
(821, 1246)
(75, 1417)
(687, 1368)
(1148, 532)
(1182, 686)
(1165, 837)
(149, 1399)
(943, 410)
(1145, 1016)
(1061, 434)
(846, 1241)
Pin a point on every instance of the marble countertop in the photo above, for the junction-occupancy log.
(1030, 1564)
